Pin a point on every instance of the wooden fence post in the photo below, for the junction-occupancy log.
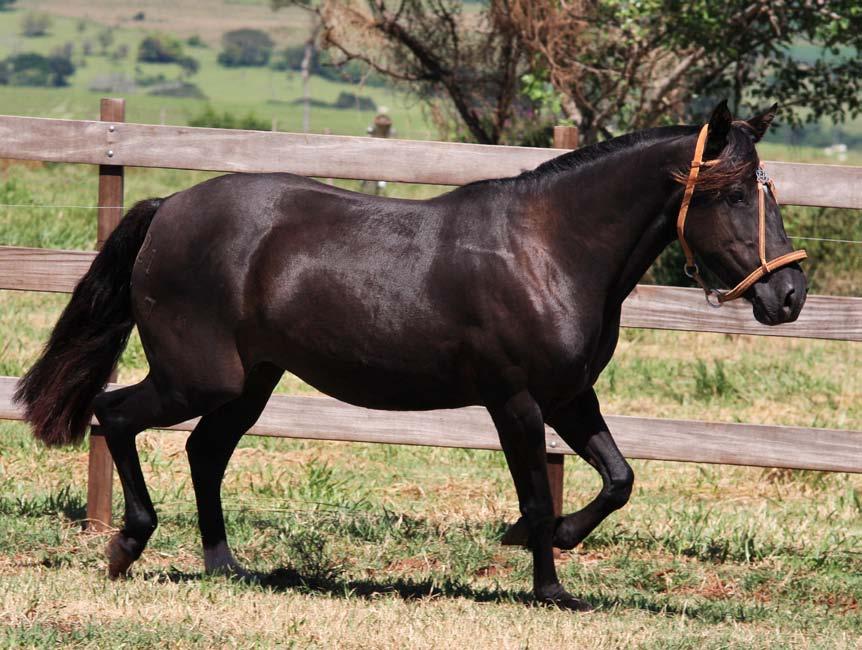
(100, 474)
(565, 137)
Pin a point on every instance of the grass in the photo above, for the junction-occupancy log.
(381, 546)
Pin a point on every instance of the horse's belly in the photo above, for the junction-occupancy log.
(379, 387)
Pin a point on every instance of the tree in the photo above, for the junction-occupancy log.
(245, 47)
(429, 45)
(189, 66)
(6, 4)
(106, 39)
(607, 65)
(35, 24)
(160, 48)
(620, 66)
(32, 69)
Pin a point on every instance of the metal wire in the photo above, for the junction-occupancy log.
(838, 241)
(75, 207)
(122, 207)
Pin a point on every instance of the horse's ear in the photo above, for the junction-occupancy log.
(719, 129)
(760, 123)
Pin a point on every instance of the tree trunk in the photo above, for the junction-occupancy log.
(306, 82)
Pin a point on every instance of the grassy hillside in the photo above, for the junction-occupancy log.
(267, 93)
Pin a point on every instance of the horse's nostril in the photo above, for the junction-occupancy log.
(788, 299)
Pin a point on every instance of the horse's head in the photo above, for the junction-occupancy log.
(734, 223)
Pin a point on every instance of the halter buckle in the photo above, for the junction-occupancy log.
(761, 176)
(691, 271)
(713, 298)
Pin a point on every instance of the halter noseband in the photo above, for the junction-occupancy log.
(713, 296)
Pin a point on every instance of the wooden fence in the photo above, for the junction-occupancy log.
(112, 144)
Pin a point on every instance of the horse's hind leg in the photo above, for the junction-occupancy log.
(583, 428)
(522, 436)
(123, 414)
(209, 449)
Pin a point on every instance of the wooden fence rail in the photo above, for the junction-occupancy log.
(113, 144)
(654, 307)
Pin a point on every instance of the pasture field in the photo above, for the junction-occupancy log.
(391, 547)
(268, 94)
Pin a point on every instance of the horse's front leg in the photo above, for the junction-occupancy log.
(522, 435)
(583, 428)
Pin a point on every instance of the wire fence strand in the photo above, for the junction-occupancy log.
(123, 207)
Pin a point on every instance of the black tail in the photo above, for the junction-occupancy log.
(57, 393)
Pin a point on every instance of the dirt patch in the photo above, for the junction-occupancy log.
(712, 587)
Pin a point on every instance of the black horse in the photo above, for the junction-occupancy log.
(504, 293)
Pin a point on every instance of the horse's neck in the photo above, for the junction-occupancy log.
(617, 213)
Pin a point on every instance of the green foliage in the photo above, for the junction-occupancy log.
(178, 89)
(6, 4)
(226, 120)
(195, 41)
(323, 65)
(106, 39)
(160, 48)
(245, 47)
(359, 102)
(189, 65)
(31, 69)
(35, 24)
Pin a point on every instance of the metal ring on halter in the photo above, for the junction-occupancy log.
(715, 294)
(691, 271)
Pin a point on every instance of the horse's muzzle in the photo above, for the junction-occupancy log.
(778, 297)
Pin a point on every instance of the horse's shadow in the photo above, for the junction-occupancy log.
(290, 579)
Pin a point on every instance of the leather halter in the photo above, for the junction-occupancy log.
(713, 296)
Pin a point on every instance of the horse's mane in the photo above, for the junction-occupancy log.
(736, 162)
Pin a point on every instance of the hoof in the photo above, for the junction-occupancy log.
(120, 556)
(219, 561)
(233, 571)
(561, 599)
(568, 533)
(518, 534)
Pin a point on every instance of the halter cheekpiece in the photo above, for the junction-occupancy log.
(713, 296)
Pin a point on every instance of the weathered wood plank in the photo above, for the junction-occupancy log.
(673, 308)
(322, 418)
(828, 186)
(331, 156)
(42, 269)
(679, 308)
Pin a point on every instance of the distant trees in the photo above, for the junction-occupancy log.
(31, 69)
(35, 24)
(227, 120)
(163, 48)
(245, 47)
(106, 39)
(496, 71)
(160, 48)
(5, 4)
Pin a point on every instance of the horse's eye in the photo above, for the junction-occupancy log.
(736, 196)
